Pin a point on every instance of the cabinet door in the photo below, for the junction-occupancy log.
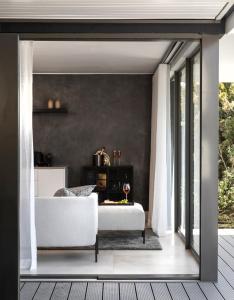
(50, 180)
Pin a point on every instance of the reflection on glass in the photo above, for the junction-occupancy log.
(182, 148)
(196, 153)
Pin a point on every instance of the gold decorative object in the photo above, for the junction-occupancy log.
(101, 180)
(119, 156)
(114, 154)
(57, 104)
(106, 157)
(50, 104)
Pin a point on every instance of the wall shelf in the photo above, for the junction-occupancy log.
(62, 110)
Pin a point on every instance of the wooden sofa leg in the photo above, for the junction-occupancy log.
(143, 235)
(96, 249)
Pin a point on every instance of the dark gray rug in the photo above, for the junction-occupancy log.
(127, 240)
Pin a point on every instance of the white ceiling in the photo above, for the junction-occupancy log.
(93, 57)
(98, 56)
(226, 58)
(114, 9)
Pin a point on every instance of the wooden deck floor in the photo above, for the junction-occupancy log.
(95, 290)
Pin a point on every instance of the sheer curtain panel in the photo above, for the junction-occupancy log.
(28, 250)
(160, 198)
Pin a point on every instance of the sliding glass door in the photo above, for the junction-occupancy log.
(187, 199)
(195, 153)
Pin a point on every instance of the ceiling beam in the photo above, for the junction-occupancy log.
(115, 27)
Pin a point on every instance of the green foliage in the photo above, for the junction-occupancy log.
(226, 155)
(226, 191)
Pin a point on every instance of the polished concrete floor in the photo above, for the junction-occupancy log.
(141, 290)
(173, 259)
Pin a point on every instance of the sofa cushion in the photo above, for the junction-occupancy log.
(121, 217)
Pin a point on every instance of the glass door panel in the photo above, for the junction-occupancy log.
(182, 152)
(195, 155)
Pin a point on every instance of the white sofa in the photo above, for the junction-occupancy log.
(67, 221)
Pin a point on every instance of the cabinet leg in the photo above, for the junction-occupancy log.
(143, 236)
(96, 249)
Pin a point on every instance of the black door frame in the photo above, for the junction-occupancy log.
(209, 123)
(9, 173)
(57, 30)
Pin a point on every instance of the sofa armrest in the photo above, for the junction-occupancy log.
(66, 221)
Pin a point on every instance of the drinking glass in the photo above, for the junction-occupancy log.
(126, 189)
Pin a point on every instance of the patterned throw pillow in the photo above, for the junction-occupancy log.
(78, 191)
(64, 192)
(84, 190)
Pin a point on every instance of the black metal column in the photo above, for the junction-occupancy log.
(9, 220)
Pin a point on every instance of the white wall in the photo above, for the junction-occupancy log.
(226, 58)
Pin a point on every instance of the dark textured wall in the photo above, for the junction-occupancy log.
(109, 110)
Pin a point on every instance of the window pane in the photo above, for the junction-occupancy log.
(182, 148)
(196, 152)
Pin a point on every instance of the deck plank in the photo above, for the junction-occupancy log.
(226, 271)
(160, 291)
(127, 291)
(177, 291)
(210, 291)
(224, 287)
(21, 285)
(226, 257)
(94, 291)
(144, 291)
(193, 290)
(227, 246)
(61, 291)
(78, 291)
(28, 291)
(44, 291)
(229, 239)
(111, 291)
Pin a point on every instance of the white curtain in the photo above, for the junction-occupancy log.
(28, 250)
(160, 193)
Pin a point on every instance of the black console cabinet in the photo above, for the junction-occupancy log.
(109, 181)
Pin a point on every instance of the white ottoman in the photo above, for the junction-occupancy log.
(123, 217)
